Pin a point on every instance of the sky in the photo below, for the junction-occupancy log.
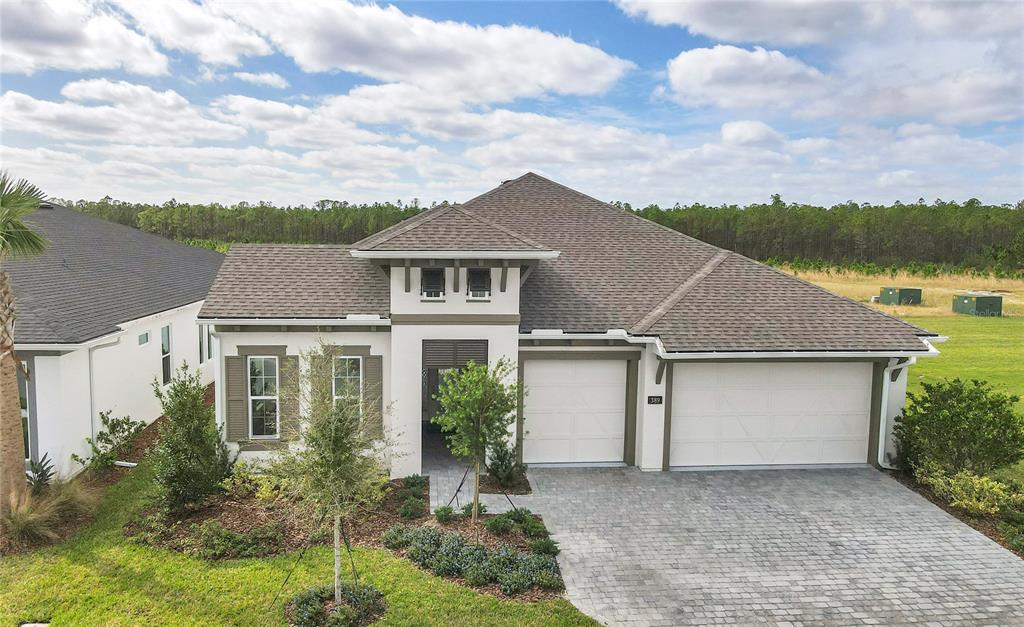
(642, 102)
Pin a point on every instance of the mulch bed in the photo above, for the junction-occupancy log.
(988, 525)
(490, 485)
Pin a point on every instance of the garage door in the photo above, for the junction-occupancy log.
(574, 411)
(761, 414)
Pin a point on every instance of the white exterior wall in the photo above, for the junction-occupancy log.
(403, 302)
(298, 343)
(894, 407)
(650, 419)
(407, 383)
(122, 377)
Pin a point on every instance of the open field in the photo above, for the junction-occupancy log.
(937, 295)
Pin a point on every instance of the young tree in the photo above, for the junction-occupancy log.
(339, 467)
(16, 240)
(477, 408)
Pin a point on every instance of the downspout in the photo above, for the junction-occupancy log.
(92, 385)
(883, 418)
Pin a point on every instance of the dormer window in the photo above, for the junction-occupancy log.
(432, 284)
(478, 283)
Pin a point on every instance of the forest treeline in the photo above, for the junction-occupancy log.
(968, 235)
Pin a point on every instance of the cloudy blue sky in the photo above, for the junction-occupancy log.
(716, 102)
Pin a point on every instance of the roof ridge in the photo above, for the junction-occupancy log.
(499, 227)
(684, 288)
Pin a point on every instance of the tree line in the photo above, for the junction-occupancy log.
(956, 235)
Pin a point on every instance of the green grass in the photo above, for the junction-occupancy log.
(990, 349)
(98, 577)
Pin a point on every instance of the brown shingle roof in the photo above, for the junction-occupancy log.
(447, 228)
(295, 281)
(615, 271)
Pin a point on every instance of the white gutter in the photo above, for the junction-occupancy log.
(354, 320)
(455, 254)
(883, 418)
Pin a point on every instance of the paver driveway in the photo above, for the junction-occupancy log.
(846, 546)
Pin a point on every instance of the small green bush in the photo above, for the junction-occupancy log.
(515, 582)
(1014, 534)
(534, 529)
(412, 507)
(444, 514)
(520, 516)
(111, 443)
(416, 483)
(243, 481)
(544, 546)
(40, 473)
(467, 510)
(72, 499)
(30, 520)
(214, 541)
(549, 581)
(361, 603)
(502, 464)
(397, 537)
(499, 525)
(477, 574)
(960, 425)
(974, 494)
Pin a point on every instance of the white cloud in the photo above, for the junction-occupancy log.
(135, 113)
(72, 35)
(735, 78)
(463, 61)
(294, 125)
(750, 133)
(186, 25)
(266, 79)
(793, 22)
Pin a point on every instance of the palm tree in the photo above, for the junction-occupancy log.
(16, 240)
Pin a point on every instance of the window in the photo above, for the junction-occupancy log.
(432, 280)
(263, 398)
(23, 404)
(348, 379)
(165, 355)
(478, 283)
(144, 338)
(202, 344)
(209, 342)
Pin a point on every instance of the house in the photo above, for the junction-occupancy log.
(104, 312)
(637, 344)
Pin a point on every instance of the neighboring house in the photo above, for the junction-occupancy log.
(637, 344)
(104, 312)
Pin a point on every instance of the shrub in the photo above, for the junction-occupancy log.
(412, 507)
(40, 472)
(424, 542)
(217, 542)
(499, 525)
(73, 500)
(111, 443)
(447, 560)
(397, 537)
(1014, 535)
(415, 483)
(534, 529)
(477, 574)
(544, 546)
(30, 520)
(243, 481)
(976, 495)
(514, 582)
(960, 426)
(360, 604)
(191, 460)
(467, 510)
(502, 464)
(444, 514)
(549, 581)
(520, 516)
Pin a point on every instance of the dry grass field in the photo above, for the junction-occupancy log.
(937, 294)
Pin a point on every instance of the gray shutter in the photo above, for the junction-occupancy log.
(235, 384)
(470, 350)
(289, 397)
(453, 353)
(373, 392)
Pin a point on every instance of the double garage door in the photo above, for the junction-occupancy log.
(722, 414)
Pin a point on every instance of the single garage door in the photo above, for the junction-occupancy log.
(761, 414)
(574, 411)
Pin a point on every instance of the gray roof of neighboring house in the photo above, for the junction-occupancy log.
(97, 274)
(615, 271)
(295, 281)
(448, 227)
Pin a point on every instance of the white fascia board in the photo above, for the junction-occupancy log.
(356, 320)
(67, 347)
(455, 254)
(161, 314)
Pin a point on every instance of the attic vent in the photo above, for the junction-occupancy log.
(45, 205)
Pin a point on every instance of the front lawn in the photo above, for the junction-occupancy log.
(99, 577)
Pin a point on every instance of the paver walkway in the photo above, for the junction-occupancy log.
(841, 547)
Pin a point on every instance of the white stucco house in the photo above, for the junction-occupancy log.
(104, 312)
(637, 345)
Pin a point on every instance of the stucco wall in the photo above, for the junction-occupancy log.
(403, 302)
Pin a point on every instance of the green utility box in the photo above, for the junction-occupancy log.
(900, 296)
(978, 304)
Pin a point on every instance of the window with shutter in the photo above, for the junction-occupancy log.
(432, 283)
(479, 283)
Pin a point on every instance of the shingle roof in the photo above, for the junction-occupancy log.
(615, 271)
(97, 274)
(447, 227)
(295, 281)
